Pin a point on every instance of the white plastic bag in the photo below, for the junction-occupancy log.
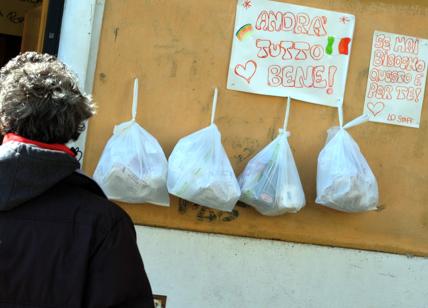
(133, 167)
(200, 172)
(345, 181)
(270, 182)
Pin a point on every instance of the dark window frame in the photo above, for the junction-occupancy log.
(53, 27)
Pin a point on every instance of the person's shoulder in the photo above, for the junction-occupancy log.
(91, 202)
(78, 200)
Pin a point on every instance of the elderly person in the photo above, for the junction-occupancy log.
(62, 243)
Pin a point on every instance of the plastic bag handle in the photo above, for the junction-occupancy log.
(135, 100)
(214, 107)
(357, 121)
(340, 111)
(287, 113)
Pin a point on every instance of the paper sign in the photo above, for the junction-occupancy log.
(282, 49)
(396, 82)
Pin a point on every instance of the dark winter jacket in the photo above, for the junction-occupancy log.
(62, 243)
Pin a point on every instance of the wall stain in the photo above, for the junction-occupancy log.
(244, 148)
(103, 77)
(271, 133)
(116, 33)
(206, 214)
(173, 72)
(194, 68)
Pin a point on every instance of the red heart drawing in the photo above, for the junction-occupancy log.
(246, 71)
(375, 108)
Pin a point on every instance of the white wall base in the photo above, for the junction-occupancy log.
(212, 271)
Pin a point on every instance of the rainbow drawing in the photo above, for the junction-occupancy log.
(244, 32)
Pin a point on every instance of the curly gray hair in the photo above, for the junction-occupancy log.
(40, 99)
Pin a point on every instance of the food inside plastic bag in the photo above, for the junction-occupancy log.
(200, 172)
(345, 181)
(133, 167)
(270, 182)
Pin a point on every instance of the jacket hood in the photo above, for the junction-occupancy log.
(27, 171)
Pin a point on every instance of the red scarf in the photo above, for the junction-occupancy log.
(55, 147)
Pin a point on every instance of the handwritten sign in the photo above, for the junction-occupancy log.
(284, 50)
(396, 83)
